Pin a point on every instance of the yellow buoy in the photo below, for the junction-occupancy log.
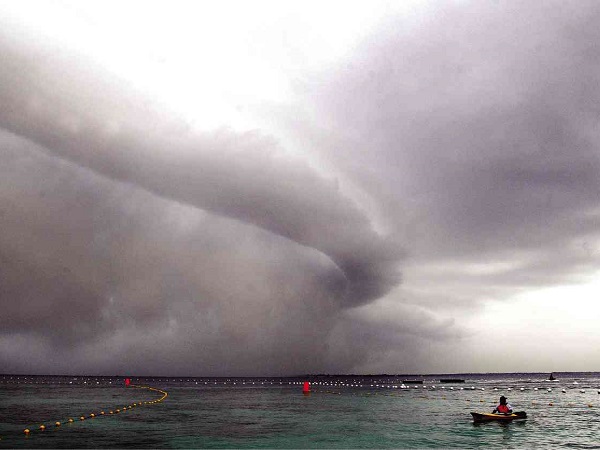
(82, 418)
(70, 420)
(92, 415)
(549, 404)
(42, 427)
(101, 413)
(590, 405)
(57, 424)
(26, 431)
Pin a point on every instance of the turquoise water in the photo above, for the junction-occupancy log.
(273, 413)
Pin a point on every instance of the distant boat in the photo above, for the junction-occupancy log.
(551, 377)
(452, 380)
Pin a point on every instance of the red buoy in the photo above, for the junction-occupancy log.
(306, 388)
(127, 381)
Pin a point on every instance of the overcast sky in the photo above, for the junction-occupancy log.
(276, 188)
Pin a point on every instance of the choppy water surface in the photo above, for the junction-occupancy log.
(341, 412)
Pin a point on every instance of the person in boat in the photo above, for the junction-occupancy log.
(503, 407)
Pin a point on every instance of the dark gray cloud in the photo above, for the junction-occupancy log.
(131, 242)
(110, 277)
(473, 130)
(389, 336)
(130, 237)
(476, 131)
(63, 103)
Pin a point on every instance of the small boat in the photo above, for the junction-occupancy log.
(483, 417)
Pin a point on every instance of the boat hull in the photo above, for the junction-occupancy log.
(483, 417)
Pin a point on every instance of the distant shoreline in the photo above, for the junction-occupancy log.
(310, 376)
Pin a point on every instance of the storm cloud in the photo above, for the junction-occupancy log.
(458, 145)
(480, 125)
(129, 280)
(63, 103)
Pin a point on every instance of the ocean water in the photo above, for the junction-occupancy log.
(341, 412)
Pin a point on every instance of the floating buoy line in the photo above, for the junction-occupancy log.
(365, 386)
(102, 413)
